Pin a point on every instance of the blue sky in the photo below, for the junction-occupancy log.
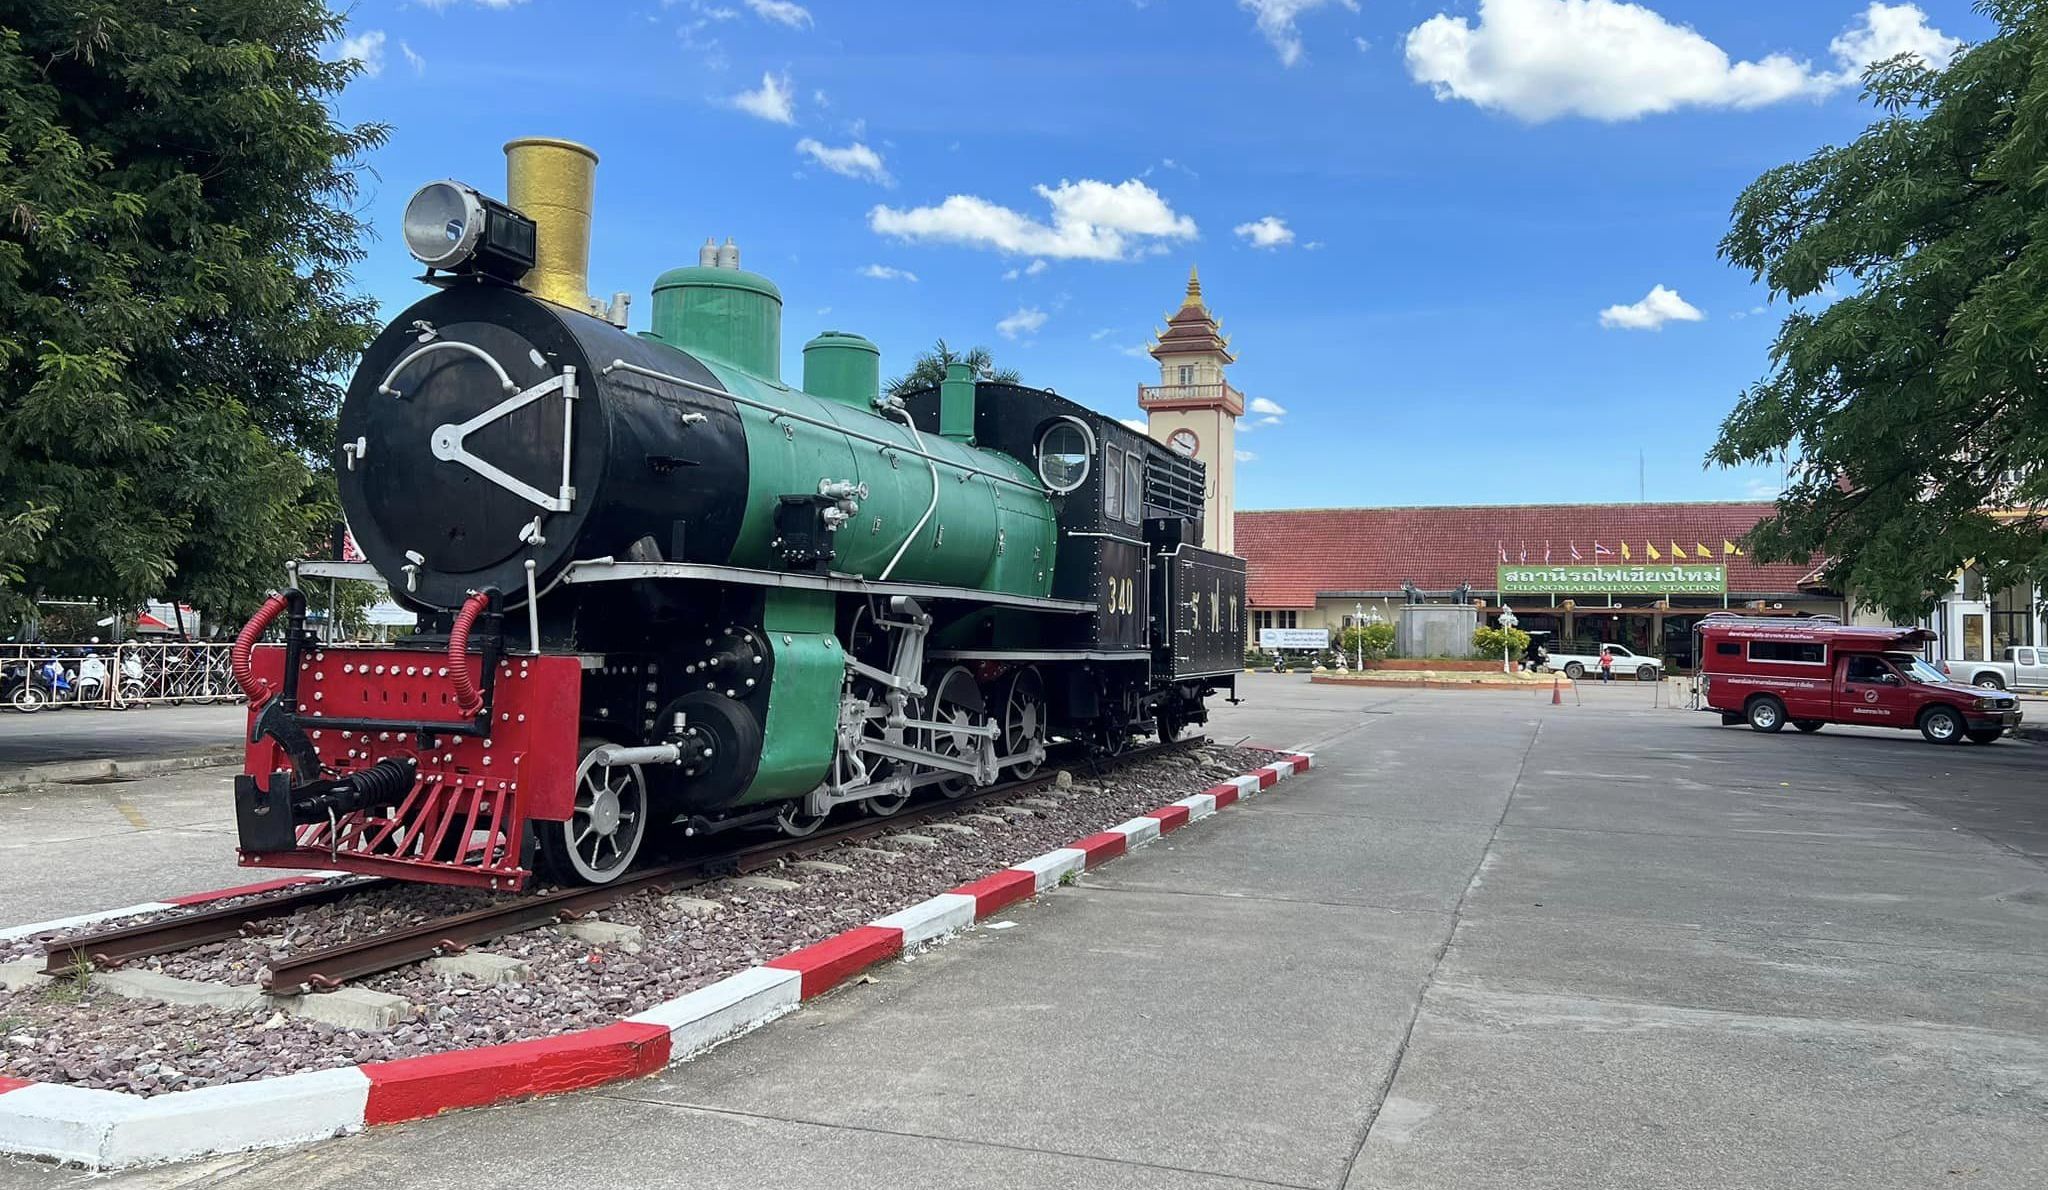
(1467, 245)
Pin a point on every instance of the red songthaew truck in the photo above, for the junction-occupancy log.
(1770, 671)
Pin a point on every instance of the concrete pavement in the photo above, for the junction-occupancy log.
(57, 736)
(1486, 943)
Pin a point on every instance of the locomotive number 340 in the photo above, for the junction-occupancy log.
(1122, 596)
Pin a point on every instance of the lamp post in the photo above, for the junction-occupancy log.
(1359, 619)
(1507, 621)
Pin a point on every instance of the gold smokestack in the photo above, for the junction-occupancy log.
(551, 182)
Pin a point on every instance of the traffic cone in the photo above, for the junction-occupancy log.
(1556, 691)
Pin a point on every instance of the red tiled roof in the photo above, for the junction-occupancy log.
(1294, 553)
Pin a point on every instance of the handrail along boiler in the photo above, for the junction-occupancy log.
(664, 593)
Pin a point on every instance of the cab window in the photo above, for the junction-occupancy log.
(1113, 484)
(1870, 670)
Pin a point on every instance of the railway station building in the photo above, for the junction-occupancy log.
(1639, 575)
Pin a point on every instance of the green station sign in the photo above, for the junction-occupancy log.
(1628, 578)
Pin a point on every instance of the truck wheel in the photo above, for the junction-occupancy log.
(1809, 726)
(1766, 714)
(1941, 725)
(1646, 673)
(1986, 735)
(1574, 670)
(1989, 681)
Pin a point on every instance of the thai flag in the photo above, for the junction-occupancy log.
(1576, 556)
(1525, 552)
(1599, 549)
(1546, 551)
(1502, 547)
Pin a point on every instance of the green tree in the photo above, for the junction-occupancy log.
(1509, 643)
(176, 228)
(1915, 406)
(930, 368)
(1374, 641)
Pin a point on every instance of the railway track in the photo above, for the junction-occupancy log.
(330, 967)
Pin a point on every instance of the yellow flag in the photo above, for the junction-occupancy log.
(1729, 550)
(1625, 555)
(1701, 552)
(1652, 551)
(1677, 550)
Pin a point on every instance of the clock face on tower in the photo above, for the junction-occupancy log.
(1184, 441)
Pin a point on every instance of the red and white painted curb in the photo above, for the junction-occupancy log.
(113, 1129)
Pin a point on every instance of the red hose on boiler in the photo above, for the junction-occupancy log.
(257, 689)
(467, 699)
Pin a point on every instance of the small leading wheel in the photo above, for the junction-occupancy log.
(1809, 726)
(1021, 699)
(1767, 714)
(1941, 725)
(604, 831)
(793, 820)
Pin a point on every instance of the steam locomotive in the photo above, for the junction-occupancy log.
(663, 593)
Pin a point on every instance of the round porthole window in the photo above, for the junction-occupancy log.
(1064, 450)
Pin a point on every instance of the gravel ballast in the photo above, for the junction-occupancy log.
(67, 1032)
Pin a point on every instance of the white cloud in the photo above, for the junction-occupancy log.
(1362, 44)
(1270, 231)
(1137, 423)
(1611, 60)
(1091, 220)
(883, 272)
(1886, 31)
(776, 100)
(438, 5)
(1024, 322)
(1267, 405)
(1099, 336)
(1658, 307)
(1275, 19)
(1245, 456)
(1138, 352)
(367, 48)
(854, 161)
(413, 59)
(782, 12)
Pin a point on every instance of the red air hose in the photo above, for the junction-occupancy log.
(467, 700)
(257, 689)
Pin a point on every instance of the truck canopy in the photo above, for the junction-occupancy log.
(1844, 638)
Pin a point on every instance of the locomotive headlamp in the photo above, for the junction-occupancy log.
(452, 227)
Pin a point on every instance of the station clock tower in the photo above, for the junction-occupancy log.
(1193, 408)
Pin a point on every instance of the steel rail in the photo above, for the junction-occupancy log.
(110, 948)
(333, 966)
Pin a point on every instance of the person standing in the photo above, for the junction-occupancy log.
(1606, 665)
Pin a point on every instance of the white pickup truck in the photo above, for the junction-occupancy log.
(1626, 664)
(2024, 668)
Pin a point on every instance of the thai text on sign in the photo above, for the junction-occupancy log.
(1677, 579)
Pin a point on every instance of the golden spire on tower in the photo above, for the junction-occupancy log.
(1194, 297)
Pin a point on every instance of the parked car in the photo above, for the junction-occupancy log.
(1577, 659)
(2023, 668)
(1809, 673)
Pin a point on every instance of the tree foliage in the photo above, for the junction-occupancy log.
(930, 368)
(1372, 641)
(1914, 408)
(1488, 641)
(176, 228)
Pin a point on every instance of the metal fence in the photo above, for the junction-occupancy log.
(46, 676)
